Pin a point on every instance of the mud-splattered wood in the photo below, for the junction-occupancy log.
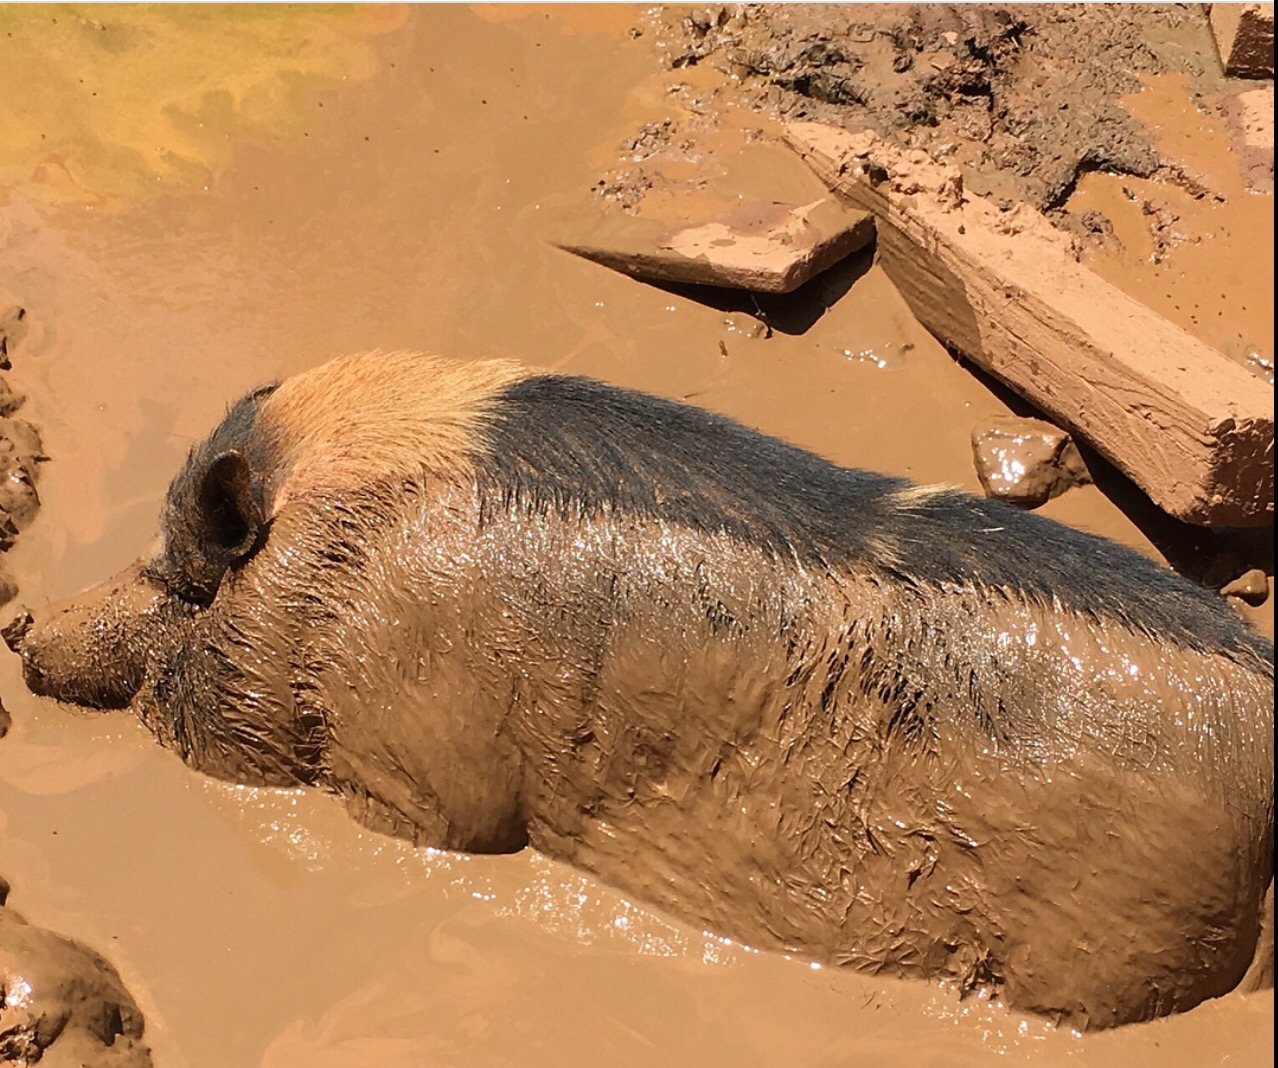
(1251, 116)
(1245, 38)
(763, 247)
(1192, 429)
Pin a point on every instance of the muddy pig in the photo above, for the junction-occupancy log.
(878, 724)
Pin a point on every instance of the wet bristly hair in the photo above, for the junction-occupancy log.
(573, 446)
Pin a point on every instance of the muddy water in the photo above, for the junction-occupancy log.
(332, 180)
(1196, 246)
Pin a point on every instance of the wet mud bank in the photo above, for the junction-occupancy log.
(20, 449)
(60, 1003)
(167, 282)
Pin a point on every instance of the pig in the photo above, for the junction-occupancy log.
(811, 708)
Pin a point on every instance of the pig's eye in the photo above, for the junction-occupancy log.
(187, 588)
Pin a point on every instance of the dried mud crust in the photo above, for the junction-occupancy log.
(1023, 98)
(61, 1004)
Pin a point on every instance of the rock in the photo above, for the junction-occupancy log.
(1252, 586)
(1194, 430)
(1026, 461)
(1245, 38)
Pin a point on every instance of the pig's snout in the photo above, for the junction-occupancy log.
(92, 649)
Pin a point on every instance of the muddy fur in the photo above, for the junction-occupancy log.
(578, 447)
(881, 725)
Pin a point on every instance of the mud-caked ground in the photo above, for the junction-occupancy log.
(1024, 97)
(1114, 119)
(192, 204)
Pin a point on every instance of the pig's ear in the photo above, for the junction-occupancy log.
(230, 514)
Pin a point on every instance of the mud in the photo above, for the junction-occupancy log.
(963, 82)
(21, 452)
(60, 1003)
(1204, 260)
(257, 926)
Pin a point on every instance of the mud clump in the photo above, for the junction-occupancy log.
(61, 1003)
(1023, 98)
(1252, 586)
(20, 455)
(1026, 462)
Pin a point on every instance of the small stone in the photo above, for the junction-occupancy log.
(1251, 586)
(1026, 462)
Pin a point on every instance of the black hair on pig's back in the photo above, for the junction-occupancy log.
(573, 446)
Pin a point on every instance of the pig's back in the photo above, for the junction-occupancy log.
(575, 446)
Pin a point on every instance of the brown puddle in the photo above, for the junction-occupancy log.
(386, 179)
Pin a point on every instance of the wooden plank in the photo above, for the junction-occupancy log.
(1192, 429)
(1245, 38)
(764, 247)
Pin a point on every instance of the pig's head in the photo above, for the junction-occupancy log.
(277, 632)
(153, 637)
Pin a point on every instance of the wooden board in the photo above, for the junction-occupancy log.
(1192, 429)
(1245, 38)
(761, 246)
